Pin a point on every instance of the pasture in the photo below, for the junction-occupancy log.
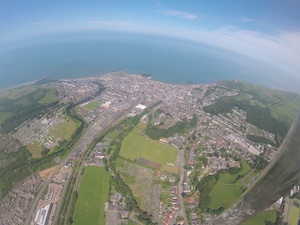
(136, 146)
(261, 218)
(50, 96)
(93, 193)
(226, 191)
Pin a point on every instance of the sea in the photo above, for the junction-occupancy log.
(84, 55)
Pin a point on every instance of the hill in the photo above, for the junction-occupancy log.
(270, 110)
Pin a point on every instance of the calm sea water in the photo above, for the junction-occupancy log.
(166, 60)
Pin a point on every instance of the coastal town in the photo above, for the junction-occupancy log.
(215, 144)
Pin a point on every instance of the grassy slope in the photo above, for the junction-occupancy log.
(283, 105)
(226, 192)
(20, 97)
(93, 193)
(261, 218)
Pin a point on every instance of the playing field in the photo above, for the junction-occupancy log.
(261, 218)
(226, 192)
(93, 193)
(136, 145)
(92, 105)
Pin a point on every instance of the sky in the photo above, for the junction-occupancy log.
(267, 31)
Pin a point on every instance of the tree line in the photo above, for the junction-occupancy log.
(181, 127)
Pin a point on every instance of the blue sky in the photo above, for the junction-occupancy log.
(268, 31)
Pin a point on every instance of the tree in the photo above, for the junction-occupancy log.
(45, 151)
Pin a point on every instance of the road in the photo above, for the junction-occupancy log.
(105, 125)
(82, 145)
(181, 212)
(47, 182)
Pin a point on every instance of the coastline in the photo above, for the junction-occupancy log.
(19, 85)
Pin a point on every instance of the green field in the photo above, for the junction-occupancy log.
(93, 193)
(136, 145)
(60, 131)
(112, 135)
(92, 105)
(50, 96)
(226, 192)
(130, 222)
(4, 116)
(35, 149)
(261, 218)
(64, 130)
(294, 212)
(20, 92)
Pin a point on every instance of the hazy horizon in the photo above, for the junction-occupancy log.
(255, 42)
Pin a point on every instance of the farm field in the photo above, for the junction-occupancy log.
(93, 193)
(226, 192)
(92, 105)
(137, 146)
(261, 218)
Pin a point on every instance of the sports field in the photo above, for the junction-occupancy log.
(93, 193)
(136, 145)
(226, 192)
(261, 218)
(92, 105)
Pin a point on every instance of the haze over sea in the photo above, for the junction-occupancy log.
(167, 60)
